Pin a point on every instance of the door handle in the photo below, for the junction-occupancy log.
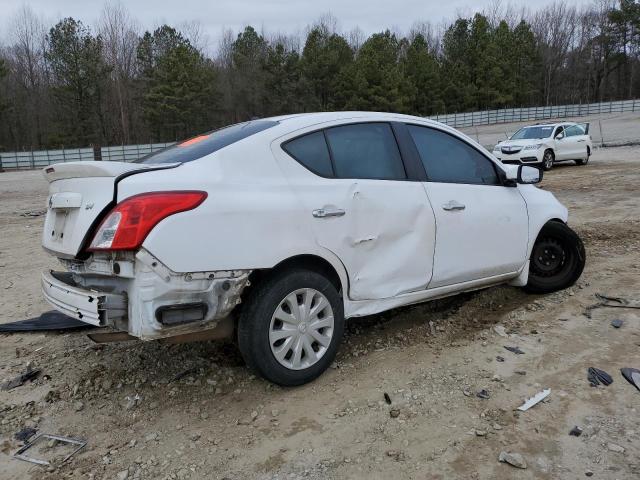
(452, 205)
(328, 212)
(583, 140)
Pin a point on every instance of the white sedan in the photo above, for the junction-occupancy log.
(279, 229)
(544, 145)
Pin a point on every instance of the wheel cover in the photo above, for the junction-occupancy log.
(301, 329)
(548, 257)
(548, 160)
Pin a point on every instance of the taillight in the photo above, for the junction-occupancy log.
(128, 224)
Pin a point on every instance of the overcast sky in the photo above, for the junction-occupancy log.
(284, 16)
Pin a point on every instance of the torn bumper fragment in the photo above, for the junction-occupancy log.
(141, 296)
(95, 308)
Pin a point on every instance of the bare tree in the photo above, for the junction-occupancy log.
(119, 34)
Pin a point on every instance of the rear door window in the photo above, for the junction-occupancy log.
(365, 150)
(312, 152)
(202, 145)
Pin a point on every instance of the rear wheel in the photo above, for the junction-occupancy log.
(548, 159)
(557, 259)
(291, 326)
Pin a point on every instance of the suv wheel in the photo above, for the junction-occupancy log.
(291, 326)
(557, 259)
(547, 160)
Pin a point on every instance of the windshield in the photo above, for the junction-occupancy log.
(527, 133)
(198, 147)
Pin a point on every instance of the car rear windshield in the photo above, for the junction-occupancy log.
(198, 147)
(532, 132)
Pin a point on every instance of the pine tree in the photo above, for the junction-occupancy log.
(423, 72)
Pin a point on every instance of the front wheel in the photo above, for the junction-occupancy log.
(291, 326)
(548, 159)
(557, 259)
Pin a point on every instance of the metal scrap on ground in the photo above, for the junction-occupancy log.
(28, 374)
(52, 320)
(632, 375)
(597, 376)
(611, 302)
(73, 441)
(537, 398)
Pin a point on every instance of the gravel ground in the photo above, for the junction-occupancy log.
(194, 411)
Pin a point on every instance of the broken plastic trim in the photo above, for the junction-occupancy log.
(73, 441)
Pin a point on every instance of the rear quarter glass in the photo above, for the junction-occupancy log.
(202, 145)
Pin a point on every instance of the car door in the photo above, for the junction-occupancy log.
(481, 225)
(577, 142)
(363, 207)
(562, 148)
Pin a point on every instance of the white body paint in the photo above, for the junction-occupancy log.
(394, 245)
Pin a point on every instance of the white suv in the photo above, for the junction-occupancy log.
(279, 229)
(545, 144)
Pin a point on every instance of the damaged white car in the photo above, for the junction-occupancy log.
(276, 230)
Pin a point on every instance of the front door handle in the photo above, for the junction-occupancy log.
(328, 212)
(452, 205)
(583, 140)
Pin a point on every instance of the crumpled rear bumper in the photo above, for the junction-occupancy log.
(90, 306)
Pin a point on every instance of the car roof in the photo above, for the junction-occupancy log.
(302, 120)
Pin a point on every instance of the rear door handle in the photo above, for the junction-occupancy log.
(328, 212)
(452, 205)
(583, 140)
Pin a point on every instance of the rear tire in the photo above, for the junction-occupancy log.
(279, 332)
(548, 159)
(557, 259)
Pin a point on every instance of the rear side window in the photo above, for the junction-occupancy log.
(202, 145)
(312, 152)
(447, 159)
(366, 150)
(573, 131)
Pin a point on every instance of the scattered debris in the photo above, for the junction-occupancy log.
(432, 328)
(183, 374)
(480, 433)
(513, 459)
(56, 438)
(500, 330)
(575, 431)
(499, 358)
(537, 398)
(515, 350)
(397, 455)
(597, 376)
(132, 402)
(617, 323)
(52, 320)
(612, 302)
(394, 412)
(33, 213)
(612, 447)
(25, 434)
(484, 394)
(28, 374)
(632, 375)
(520, 372)
(387, 398)
(588, 473)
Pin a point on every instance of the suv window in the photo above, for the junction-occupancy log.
(559, 130)
(365, 150)
(202, 145)
(312, 152)
(573, 130)
(448, 159)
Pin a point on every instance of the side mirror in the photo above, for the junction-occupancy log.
(529, 175)
(560, 136)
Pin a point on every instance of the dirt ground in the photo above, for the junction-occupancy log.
(202, 414)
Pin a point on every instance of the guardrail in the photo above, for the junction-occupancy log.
(509, 115)
(129, 153)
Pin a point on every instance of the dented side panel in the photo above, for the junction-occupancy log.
(385, 239)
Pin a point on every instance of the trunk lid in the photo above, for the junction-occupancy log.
(78, 194)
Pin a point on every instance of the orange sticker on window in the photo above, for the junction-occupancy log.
(193, 140)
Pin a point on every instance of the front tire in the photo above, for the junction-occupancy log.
(548, 159)
(557, 259)
(291, 326)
